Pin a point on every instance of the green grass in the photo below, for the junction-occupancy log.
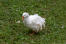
(53, 10)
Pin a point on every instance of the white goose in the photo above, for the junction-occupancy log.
(35, 22)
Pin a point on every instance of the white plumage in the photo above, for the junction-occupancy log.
(35, 22)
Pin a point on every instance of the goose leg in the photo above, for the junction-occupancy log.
(33, 32)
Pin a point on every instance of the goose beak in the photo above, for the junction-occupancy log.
(22, 17)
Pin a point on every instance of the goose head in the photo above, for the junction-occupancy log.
(25, 15)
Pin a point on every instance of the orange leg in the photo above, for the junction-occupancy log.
(33, 32)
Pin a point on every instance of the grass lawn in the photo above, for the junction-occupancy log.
(13, 33)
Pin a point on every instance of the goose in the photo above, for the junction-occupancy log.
(35, 22)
